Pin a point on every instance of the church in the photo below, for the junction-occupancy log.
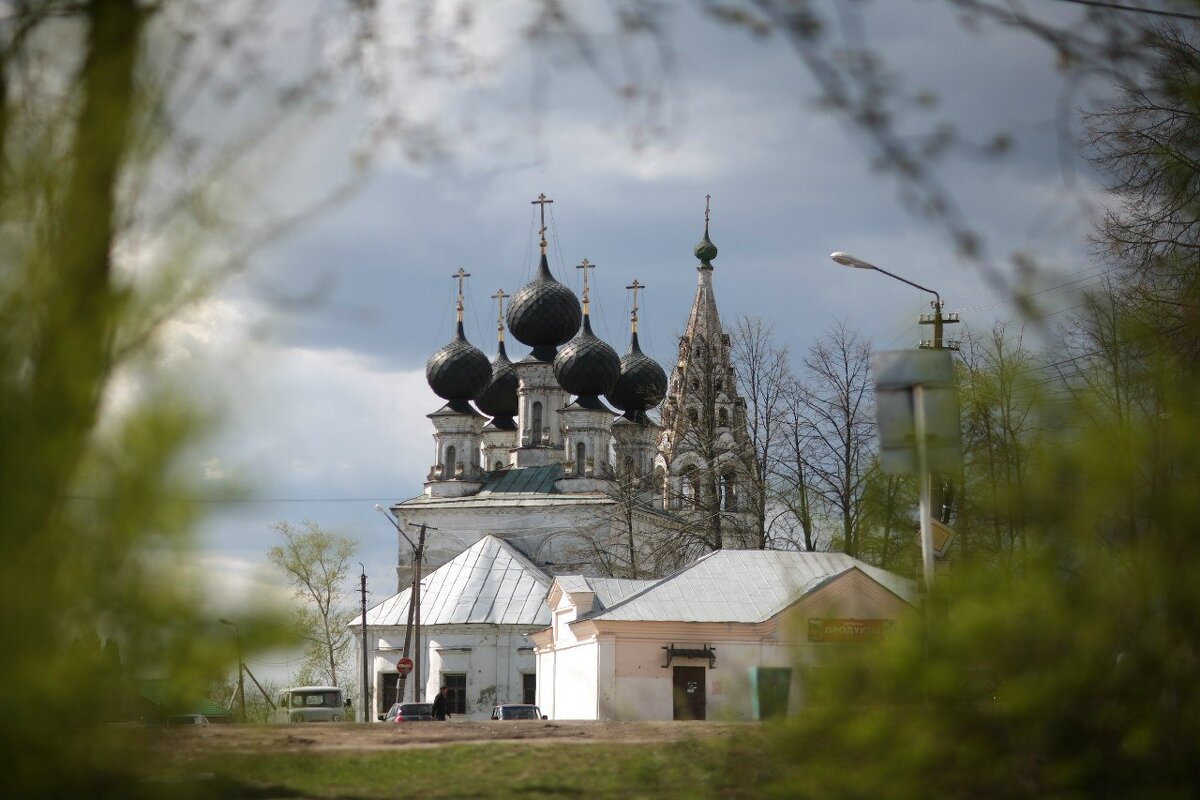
(551, 469)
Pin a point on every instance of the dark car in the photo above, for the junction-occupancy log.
(408, 712)
(517, 711)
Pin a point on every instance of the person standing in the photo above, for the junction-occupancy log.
(439, 705)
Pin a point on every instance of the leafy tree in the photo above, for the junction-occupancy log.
(317, 564)
(1002, 423)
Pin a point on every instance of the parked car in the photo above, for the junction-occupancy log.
(187, 719)
(408, 712)
(517, 711)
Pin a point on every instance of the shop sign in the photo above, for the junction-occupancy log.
(848, 630)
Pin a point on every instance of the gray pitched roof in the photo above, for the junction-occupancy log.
(744, 586)
(490, 582)
(605, 591)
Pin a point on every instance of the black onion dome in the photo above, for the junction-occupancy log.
(586, 366)
(544, 314)
(499, 399)
(642, 383)
(459, 370)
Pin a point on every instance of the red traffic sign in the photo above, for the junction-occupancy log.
(404, 666)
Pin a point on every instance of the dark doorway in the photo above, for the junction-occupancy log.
(687, 689)
(456, 694)
(529, 688)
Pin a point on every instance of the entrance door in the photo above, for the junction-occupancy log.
(688, 691)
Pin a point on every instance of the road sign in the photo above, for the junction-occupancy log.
(404, 666)
(898, 376)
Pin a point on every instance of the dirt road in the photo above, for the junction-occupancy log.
(349, 736)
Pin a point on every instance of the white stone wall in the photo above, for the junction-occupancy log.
(493, 658)
(545, 532)
(567, 687)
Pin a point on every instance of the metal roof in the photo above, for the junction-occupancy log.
(605, 591)
(744, 586)
(522, 480)
(490, 582)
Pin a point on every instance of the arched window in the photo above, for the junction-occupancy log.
(728, 492)
(536, 424)
(723, 418)
(687, 487)
(580, 455)
(499, 465)
(693, 417)
(448, 463)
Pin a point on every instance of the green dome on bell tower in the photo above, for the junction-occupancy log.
(706, 251)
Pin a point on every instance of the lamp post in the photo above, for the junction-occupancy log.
(925, 479)
(414, 605)
(936, 319)
(241, 689)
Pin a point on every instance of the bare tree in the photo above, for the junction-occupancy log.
(793, 469)
(763, 375)
(317, 564)
(841, 426)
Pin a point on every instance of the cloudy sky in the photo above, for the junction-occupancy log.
(319, 347)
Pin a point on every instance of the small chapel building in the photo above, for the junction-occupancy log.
(687, 646)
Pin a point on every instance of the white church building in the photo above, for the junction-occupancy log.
(536, 481)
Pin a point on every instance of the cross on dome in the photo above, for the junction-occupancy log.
(542, 200)
(461, 275)
(635, 286)
(585, 266)
(499, 296)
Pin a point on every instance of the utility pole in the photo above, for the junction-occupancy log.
(415, 604)
(366, 694)
(938, 320)
(241, 688)
(941, 487)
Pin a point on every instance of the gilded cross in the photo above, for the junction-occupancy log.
(542, 200)
(462, 274)
(635, 286)
(585, 266)
(500, 295)
(707, 198)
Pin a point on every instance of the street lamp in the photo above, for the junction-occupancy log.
(927, 491)
(237, 633)
(413, 630)
(935, 319)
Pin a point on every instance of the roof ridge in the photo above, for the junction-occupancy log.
(658, 582)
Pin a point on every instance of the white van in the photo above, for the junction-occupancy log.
(311, 704)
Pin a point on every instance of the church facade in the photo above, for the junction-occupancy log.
(558, 452)
(558, 457)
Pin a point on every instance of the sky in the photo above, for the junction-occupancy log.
(318, 347)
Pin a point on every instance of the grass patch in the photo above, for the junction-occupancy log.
(501, 769)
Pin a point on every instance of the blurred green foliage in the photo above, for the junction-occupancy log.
(1059, 658)
(95, 508)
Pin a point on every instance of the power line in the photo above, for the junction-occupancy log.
(249, 500)
(1134, 9)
